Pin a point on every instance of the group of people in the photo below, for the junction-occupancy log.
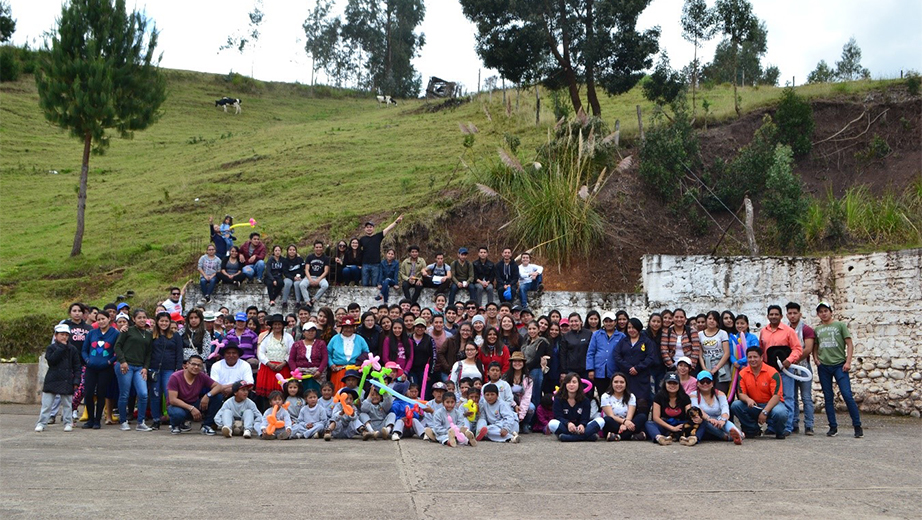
(455, 373)
(294, 280)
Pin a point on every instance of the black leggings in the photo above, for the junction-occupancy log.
(228, 280)
(274, 290)
(96, 384)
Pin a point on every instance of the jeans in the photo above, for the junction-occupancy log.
(788, 385)
(156, 391)
(180, 415)
(827, 374)
(407, 287)
(708, 430)
(371, 274)
(207, 286)
(287, 284)
(563, 434)
(471, 291)
(127, 381)
(386, 285)
(479, 290)
(805, 389)
(259, 267)
(524, 287)
(67, 414)
(352, 273)
(653, 429)
(537, 377)
(748, 417)
(305, 284)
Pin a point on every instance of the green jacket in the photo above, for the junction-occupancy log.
(405, 268)
(134, 347)
(462, 273)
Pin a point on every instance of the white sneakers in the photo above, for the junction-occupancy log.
(125, 427)
(69, 427)
(39, 427)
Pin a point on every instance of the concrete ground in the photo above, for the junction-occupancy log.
(113, 474)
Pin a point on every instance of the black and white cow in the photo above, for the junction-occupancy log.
(233, 102)
(386, 100)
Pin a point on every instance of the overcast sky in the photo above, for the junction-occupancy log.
(800, 33)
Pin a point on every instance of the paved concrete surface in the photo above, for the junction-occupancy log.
(113, 474)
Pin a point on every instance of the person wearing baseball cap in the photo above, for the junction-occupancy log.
(600, 356)
(462, 277)
(237, 416)
(833, 357)
(670, 411)
(62, 378)
(344, 350)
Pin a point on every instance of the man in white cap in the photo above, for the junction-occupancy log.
(600, 358)
(63, 377)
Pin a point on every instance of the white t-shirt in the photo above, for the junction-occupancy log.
(711, 352)
(679, 351)
(617, 405)
(525, 272)
(241, 371)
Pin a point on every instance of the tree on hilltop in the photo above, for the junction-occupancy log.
(99, 73)
(849, 67)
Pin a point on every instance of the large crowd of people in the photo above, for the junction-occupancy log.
(458, 372)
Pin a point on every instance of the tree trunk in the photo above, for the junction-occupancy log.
(639, 123)
(750, 232)
(736, 105)
(590, 69)
(694, 80)
(537, 106)
(81, 196)
(573, 88)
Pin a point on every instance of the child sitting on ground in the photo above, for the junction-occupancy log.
(326, 396)
(442, 427)
(495, 374)
(438, 393)
(413, 416)
(463, 386)
(294, 399)
(376, 415)
(344, 425)
(544, 414)
(471, 407)
(312, 419)
(237, 416)
(281, 414)
(497, 421)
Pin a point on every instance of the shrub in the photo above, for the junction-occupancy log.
(795, 122)
(784, 201)
(667, 150)
(561, 105)
(746, 173)
(913, 82)
(10, 67)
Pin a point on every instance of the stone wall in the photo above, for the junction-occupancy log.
(878, 295)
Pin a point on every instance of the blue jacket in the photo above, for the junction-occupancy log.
(336, 354)
(601, 354)
(640, 357)
(566, 414)
(390, 271)
(99, 349)
(166, 353)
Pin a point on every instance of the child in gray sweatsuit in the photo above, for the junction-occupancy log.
(343, 425)
(442, 427)
(496, 421)
(376, 415)
(275, 399)
(237, 416)
(313, 418)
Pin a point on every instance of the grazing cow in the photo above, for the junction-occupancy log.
(386, 100)
(234, 102)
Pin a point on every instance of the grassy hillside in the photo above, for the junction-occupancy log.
(301, 166)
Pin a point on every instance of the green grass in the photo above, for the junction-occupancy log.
(301, 166)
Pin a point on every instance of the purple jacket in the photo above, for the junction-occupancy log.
(247, 342)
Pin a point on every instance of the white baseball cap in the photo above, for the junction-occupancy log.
(61, 327)
(609, 316)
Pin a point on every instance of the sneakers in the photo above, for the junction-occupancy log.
(316, 436)
(96, 425)
(735, 436)
(612, 437)
(125, 427)
(430, 434)
(808, 431)
(143, 427)
(155, 425)
(51, 421)
(383, 433)
(470, 438)
(833, 431)
(395, 436)
(859, 432)
(69, 427)
(226, 431)
(327, 435)
(663, 440)
(639, 436)
(515, 438)
(482, 433)
(208, 430)
(691, 441)
(174, 430)
(185, 427)
(39, 428)
(247, 434)
(87, 425)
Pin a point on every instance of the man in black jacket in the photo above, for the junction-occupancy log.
(484, 276)
(507, 277)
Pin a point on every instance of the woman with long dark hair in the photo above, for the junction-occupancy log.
(352, 266)
(680, 341)
(654, 331)
(166, 357)
(715, 351)
(571, 422)
(619, 411)
(670, 411)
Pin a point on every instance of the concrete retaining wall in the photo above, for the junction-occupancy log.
(878, 295)
(21, 383)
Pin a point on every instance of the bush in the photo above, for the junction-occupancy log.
(26, 336)
(913, 82)
(10, 67)
(561, 105)
(784, 201)
(667, 150)
(746, 173)
(795, 122)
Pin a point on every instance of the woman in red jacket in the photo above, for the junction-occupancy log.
(493, 350)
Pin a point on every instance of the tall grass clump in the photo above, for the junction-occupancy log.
(552, 199)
